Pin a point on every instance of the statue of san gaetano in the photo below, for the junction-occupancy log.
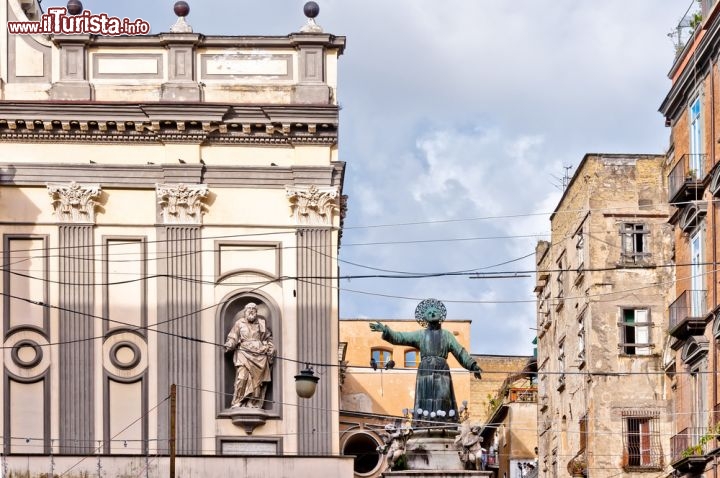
(251, 342)
(434, 394)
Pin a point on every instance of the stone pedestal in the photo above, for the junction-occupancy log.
(246, 417)
(436, 474)
(433, 451)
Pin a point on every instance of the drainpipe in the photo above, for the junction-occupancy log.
(713, 62)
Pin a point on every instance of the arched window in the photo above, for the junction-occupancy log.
(412, 358)
(381, 356)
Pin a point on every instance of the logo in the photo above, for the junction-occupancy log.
(57, 22)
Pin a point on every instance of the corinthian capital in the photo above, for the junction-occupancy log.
(313, 205)
(74, 203)
(181, 203)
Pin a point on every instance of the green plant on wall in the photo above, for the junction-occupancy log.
(697, 450)
(695, 20)
(493, 403)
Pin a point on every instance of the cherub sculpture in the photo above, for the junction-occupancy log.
(394, 442)
(469, 446)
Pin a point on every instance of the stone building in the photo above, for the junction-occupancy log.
(693, 176)
(509, 434)
(602, 283)
(150, 188)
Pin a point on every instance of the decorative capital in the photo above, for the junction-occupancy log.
(181, 203)
(313, 205)
(74, 203)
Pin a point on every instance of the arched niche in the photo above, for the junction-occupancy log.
(715, 182)
(268, 309)
(692, 215)
(694, 350)
(716, 326)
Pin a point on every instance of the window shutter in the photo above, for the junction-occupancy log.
(642, 332)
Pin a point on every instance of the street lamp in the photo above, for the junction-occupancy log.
(305, 383)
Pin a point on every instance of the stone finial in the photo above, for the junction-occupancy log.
(74, 7)
(74, 203)
(311, 10)
(312, 205)
(182, 10)
(181, 203)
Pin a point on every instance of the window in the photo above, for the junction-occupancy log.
(560, 279)
(696, 145)
(635, 330)
(583, 432)
(697, 272)
(699, 418)
(635, 247)
(580, 251)
(412, 358)
(544, 307)
(381, 356)
(581, 338)
(561, 364)
(641, 439)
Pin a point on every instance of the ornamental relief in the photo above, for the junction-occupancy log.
(181, 203)
(313, 205)
(74, 203)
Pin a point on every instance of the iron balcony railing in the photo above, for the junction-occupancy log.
(686, 177)
(690, 304)
(689, 443)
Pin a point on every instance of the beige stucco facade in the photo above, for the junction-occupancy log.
(602, 288)
(146, 195)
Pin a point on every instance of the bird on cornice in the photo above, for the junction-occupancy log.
(373, 364)
(181, 161)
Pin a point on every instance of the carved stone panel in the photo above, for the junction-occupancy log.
(181, 203)
(313, 205)
(74, 203)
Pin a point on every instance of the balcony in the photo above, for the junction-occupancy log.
(685, 182)
(689, 451)
(688, 314)
(522, 395)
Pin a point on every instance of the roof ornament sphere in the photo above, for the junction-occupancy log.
(311, 10)
(74, 7)
(182, 10)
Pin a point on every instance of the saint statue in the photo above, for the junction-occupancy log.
(251, 341)
(434, 394)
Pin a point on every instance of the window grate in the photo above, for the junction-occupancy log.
(641, 440)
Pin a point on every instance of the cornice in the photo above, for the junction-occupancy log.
(290, 41)
(147, 176)
(167, 123)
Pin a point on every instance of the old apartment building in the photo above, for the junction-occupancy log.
(601, 288)
(151, 187)
(693, 174)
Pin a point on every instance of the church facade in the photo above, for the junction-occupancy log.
(150, 188)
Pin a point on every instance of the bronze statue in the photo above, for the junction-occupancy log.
(251, 341)
(434, 394)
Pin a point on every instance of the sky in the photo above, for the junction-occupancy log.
(458, 120)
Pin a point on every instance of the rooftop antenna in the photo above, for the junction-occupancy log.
(563, 182)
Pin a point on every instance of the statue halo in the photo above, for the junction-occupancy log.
(430, 310)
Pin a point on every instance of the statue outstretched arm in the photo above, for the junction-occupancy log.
(397, 338)
(463, 356)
